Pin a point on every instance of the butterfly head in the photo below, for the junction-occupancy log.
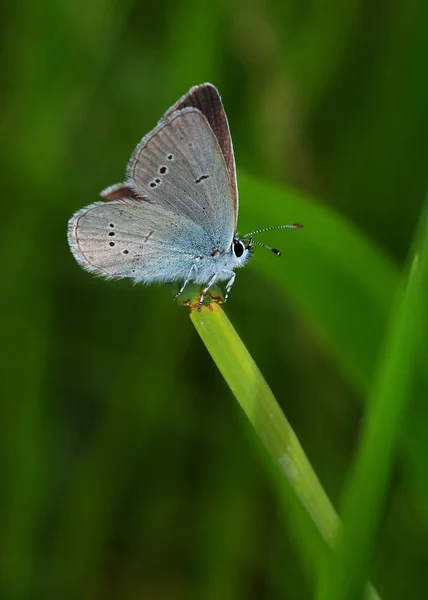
(241, 249)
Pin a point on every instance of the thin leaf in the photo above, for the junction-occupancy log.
(258, 403)
(389, 396)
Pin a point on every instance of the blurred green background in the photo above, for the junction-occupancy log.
(128, 470)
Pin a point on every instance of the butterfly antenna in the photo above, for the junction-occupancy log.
(293, 226)
(257, 243)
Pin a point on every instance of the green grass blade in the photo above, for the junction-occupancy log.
(258, 403)
(390, 394)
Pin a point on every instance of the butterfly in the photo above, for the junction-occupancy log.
(174, 219)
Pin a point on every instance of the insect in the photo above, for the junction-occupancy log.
(174, 219)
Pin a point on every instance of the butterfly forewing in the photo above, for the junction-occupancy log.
(207, 100)
(180, 167)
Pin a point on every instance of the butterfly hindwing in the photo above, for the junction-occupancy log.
(133, 239)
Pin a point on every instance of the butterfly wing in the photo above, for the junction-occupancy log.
(118, 191)
(181, 168)
(207, 100)
(130, 238)
(178, 204)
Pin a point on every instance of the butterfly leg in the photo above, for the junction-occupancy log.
(229, 284)
(188, 278)
(205, 290)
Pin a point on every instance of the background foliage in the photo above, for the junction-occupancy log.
(128, 470)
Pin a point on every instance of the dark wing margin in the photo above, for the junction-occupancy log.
(118, 191)
(205, 97)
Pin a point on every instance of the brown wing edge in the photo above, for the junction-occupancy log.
(205, 97)
(117, 191)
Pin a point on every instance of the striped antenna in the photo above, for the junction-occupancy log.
(257, 243)
(293, 226)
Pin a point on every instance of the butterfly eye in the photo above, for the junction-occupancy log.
(238, 248)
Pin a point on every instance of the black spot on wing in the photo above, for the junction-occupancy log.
(201, 178)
